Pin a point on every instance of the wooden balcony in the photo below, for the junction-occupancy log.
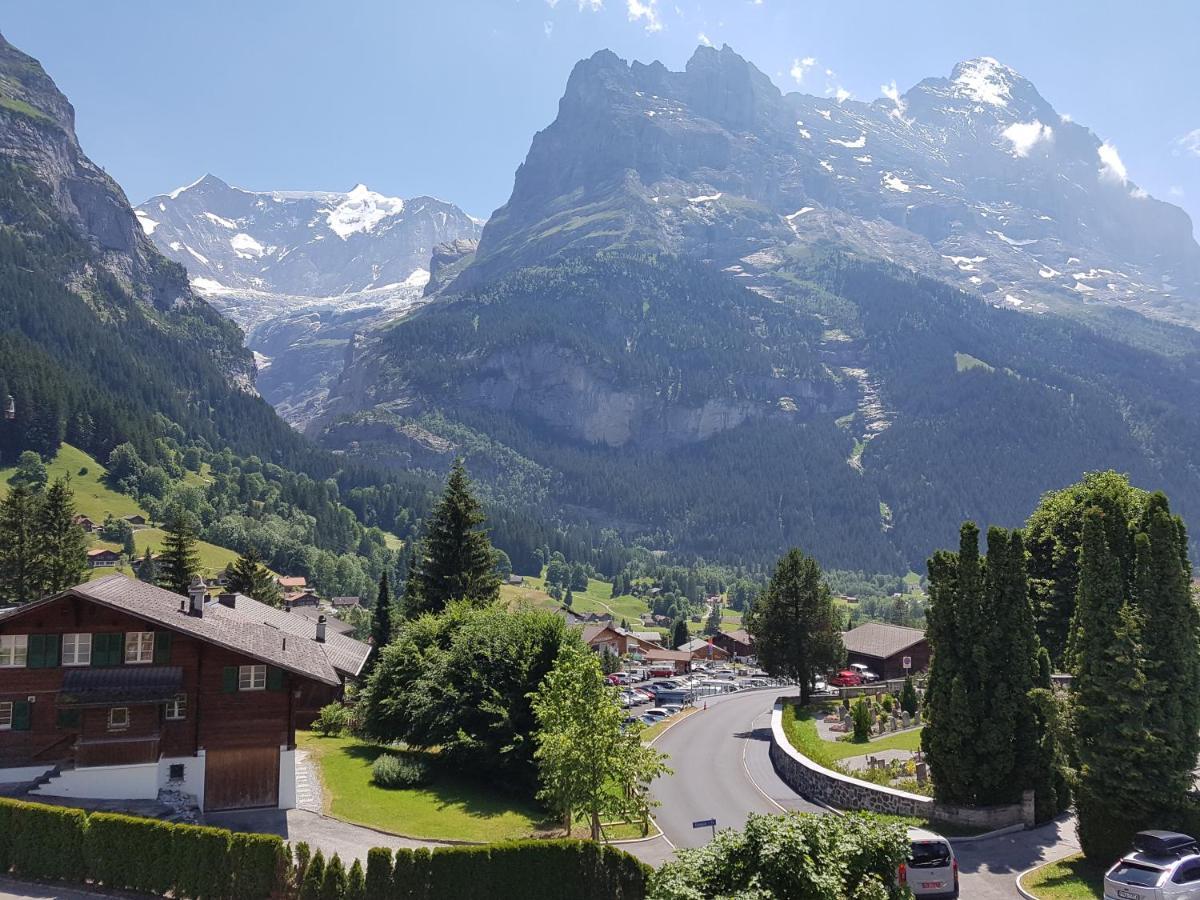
(117, 751)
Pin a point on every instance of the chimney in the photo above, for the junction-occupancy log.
(197, 593)
(320, 629)
(229, 600)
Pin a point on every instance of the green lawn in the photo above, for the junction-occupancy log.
(1073, 878)
(800, 726)
(213, 559)
(451, 808)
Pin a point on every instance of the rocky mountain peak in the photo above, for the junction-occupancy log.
(727, 88)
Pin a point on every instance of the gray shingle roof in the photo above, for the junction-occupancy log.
(219, 625)
(345, 653)
(881, 641)
(120, 684)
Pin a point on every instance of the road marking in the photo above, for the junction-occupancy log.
(746, 769)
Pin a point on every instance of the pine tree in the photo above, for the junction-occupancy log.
(21, 567)
(63, 546)
(1162, 593)
(147, 571)
(679, 632)
(712, 624)
(908, 696)
(455, 560)
(1114, 799)
(381, 623)
(247, 575)
(180, 560)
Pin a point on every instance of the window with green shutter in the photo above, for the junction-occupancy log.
(162, 648)
(21, 715)
(43, 651)
(108, 649)
(230, 680)
(274, 679)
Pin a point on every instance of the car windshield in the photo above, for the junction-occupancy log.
(929, 855)
(1132, 873)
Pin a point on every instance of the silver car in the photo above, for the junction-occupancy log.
(931, 870)
(1164, 865)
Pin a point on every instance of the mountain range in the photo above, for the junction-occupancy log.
(729, 320)
(302, 271)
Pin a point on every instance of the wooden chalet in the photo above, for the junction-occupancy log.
(116, 689)
(101, 557)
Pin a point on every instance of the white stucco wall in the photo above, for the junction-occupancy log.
(138, 782)
(287, 778)
(193, 775)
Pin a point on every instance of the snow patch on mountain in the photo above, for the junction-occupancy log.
(148, 224)
(361, 210)
(985, 80)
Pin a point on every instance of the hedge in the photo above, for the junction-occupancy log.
(132, 853)
(193, 862)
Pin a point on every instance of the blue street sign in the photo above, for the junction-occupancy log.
(705, 823)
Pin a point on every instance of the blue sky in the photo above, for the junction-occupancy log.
(443, 96)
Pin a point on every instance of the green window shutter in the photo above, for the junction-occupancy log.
(112, 647)
(230, 684)
(100, 649)
(162, 648)
(274, 679)
(68, 718)
(35, 651)
(51, 648)
(21, 714)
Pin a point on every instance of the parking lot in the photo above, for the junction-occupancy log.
(650, 700)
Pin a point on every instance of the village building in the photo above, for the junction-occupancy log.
(738, 644)
(292, 582)
(135, 519)
(302, 598)
(85, 523)
(342, 603)
(884, 649)
(116, 689)
(703, 650)
(102, 556)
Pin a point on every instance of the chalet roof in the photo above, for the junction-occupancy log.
(881, 641)
(312, 613)
(219, 625)
(700, 644)
(646, 637)
(103, 551)
(346, 654)
(591, 632)
(120, 684)
(345, 601)
(740, 635)
(656, 653)
(292, 581)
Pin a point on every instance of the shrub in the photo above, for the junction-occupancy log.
(861, 716)
(379, 873)
(908, 697)
(356, 883)
(258, 863)
(886, 703)
(130, 853)
(202, 861)
(302, 853)
(392, 771)
(332, 720)
(314, 878)
(333, 885)
(45, 841)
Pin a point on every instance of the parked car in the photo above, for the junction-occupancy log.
(662, 671)
(931, 869)
(648, 720)
(864, 673)
(1163, 865)
(846, 678)
(819, 686)
(658, 712)
(612, 679)
(642, 695)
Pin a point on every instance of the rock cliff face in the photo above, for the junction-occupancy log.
(40, 149)
(974, 179)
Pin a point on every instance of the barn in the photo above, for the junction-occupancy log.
(884, 648)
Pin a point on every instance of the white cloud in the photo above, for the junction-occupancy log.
(841, 95)
(1190, 142)
(893, 93)
(800, 68)
(1066, 117)
(1025, 135)
(591, 5)
(1175, 191)
(638, 10)
(1111, 167)
(552, 3)
(703, 39)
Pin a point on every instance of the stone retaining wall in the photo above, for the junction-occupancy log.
(815, 782)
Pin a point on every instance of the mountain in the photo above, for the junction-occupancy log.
(974, 180)
(303, 271)
(727, 321)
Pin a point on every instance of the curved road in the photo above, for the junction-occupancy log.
(723, 771)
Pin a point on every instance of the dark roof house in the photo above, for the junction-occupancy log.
(883, 648)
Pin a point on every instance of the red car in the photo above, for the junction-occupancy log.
(846, 678)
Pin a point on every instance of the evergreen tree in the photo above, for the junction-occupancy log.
(147, 571)
(63, 547)
(180, 560)
(247, 575)
(679, 632)
(712, 624)
(455, 560)
(381, 623)
(129, 545)
(1114, 798)
(794, 623)
(908, 696)
(21, 568)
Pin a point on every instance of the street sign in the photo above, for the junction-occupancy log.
(705, 823)
(906, 663)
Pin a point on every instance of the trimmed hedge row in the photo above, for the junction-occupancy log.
(132, 853)
(512, 870)
(201, 863)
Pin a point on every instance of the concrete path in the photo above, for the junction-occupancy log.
(329, 835)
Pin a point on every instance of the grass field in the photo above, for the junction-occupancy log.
(596, 599)
(95, 499)
(450, 808)
(1073, 878)
(801, 728)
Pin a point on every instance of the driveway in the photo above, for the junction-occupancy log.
(723, 771)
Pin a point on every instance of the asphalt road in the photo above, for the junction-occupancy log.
(723, 771)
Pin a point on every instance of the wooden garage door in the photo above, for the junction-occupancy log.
(241, 778)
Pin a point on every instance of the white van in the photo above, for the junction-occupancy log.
(931, 870)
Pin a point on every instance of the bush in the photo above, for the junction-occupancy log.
(861, 716)
(332, 720)
(379, 873)
(201, 856)
(908, 697)
(356, 882)
(130, 853)
(258, 863)
(43, 841)
(314, 878)
(333, 885)
(392, 771)
(886, 703)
